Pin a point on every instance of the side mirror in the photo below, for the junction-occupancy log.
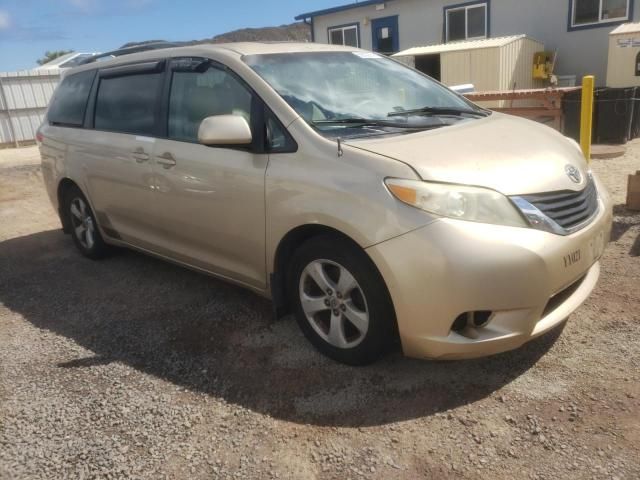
(224, 130)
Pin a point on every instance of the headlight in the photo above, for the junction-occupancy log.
(473, 204)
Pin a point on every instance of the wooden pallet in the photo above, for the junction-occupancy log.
(549, 102)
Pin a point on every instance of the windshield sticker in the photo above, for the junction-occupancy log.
(372, 55)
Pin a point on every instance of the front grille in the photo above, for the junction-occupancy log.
(567, 208)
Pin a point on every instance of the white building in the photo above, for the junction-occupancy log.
(577, 29)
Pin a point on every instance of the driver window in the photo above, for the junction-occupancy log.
(198, 93)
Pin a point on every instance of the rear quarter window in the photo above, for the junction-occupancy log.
(70, 100)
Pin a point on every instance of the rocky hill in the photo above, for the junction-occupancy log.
(295, 32)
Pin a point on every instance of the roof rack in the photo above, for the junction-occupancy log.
(129, 50)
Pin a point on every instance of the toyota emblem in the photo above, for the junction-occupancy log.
(573, 173)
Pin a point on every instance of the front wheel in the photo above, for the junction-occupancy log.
(340, 301)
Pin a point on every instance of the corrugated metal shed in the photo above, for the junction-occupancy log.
(503, 63)
(24, 97)
(461, 46)
(623, 67)
(626, 28)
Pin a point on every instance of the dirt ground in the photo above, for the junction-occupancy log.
(135, 368)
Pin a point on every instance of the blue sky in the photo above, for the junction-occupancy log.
(29, 27)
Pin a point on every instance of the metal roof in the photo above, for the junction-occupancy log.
(626, 28)
(461, 46)
(341, 8)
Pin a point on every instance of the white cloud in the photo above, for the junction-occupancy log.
(5, 21)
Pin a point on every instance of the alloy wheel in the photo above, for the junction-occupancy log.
(82, 222)
(334, 303)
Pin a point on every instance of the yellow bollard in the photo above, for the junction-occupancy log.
(586, 116)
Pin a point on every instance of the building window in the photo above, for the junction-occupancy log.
(345, 35)
(638, 65)
(594, 12)
(466, 22)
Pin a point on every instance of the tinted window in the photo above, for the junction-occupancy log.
(198, 94)
(456, 25)
(344, 36)
(466, 22)
(587, 11)
(476, 22)
(128, 104)
(70, 101)
(278, 140)
(351, 37)
(595, 11)
(614, 9)
(336, 37)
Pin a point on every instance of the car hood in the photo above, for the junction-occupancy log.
(505, 153)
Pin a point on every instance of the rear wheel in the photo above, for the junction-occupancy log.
(340, 301)
(84, 229)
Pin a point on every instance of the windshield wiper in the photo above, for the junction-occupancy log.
(365, 122)
(439, 111)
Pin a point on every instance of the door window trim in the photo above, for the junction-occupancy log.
(572, 26)
(466, 7)
(133, 69)
(347, 26)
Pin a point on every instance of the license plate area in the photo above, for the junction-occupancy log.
(596, 245)
(588, 252)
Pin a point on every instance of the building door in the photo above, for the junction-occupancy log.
(385, 35)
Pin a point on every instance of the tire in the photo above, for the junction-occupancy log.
(351, 318)
(84, 228)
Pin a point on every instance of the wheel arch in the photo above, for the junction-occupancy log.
(282, 260)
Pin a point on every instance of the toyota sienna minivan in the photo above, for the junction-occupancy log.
(360, 195)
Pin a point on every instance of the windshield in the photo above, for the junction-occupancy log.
(330, 89)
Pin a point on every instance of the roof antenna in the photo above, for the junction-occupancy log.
(340, 152)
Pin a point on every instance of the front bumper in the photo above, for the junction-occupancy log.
(529, 279)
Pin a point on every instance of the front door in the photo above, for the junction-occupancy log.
(210, 200)
(385, 35)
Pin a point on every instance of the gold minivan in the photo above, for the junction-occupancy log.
(360, 195)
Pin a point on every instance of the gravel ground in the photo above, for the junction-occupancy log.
(134, 368)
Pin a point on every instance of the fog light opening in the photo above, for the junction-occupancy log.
(481, 318)
(471, 320)
(460, 323)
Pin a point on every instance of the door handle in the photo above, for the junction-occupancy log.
(166, 160)
(140, 155)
